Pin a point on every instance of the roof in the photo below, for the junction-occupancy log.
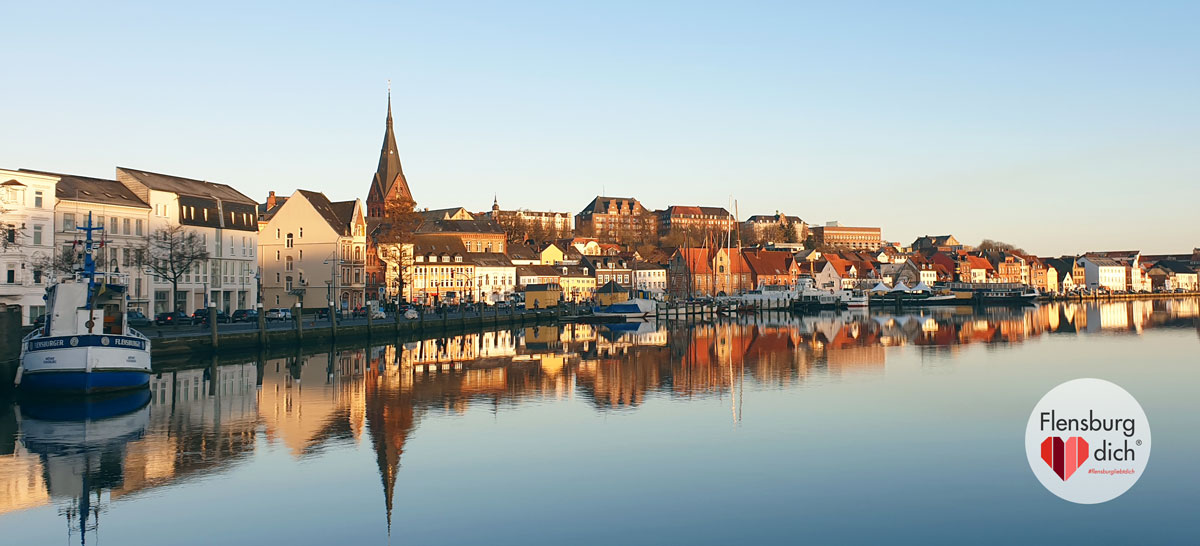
(546, 287)
(772, 218)
(480, 225)
(187, 186)
(977, 262)
(680, 210)
(522, 252)
(934, 241)
(697, 260)
(338, 215)
(438, 244)
(389, 175)
(490, 259)
(611, 287)
(538, 271)
(94, 190)
(1175, 267)
(1102, 261)
(600, 204)
(769, 262)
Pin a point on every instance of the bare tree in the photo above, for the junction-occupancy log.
(171, 252)
(988, 244)
(397, 230)
(62, 261)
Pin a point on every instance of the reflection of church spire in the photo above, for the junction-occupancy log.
(389, 414)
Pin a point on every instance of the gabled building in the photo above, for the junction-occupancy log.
(760, 225)
(495, 277)
(731, 273)
(650, 278)
(609, 268)
(771, 267)
(313, 252)
(974, 269)
(943, 243)
(1130, 260)
(1173, 275)
(690, 273)
(538, 274)
(442, 271)
(227, 222)
(616, 220)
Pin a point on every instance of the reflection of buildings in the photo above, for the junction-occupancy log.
(203, 421)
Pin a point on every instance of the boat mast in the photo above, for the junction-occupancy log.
(89, 264)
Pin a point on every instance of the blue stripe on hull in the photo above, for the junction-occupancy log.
(84, 382)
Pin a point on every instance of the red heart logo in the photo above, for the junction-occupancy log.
(1064, 457)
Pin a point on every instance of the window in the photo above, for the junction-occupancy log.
(301, 253)
(277, 255)
(276, 300)
(289, 241)
(112, 225)
(289, 282)
(301, 233)
(125, 224)
(37, 276)
(276, 276)
(68, 221)
(11, 234)
(37, 203)
(37, 234)
(276, 234)
(289, 265)
(138, 227)
(11, 276)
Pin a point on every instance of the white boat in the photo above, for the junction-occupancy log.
(86, 345)
(853, 298)
(637, 308)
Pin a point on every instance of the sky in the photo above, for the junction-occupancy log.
(1056, 126)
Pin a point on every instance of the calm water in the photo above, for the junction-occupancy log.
(845, 427)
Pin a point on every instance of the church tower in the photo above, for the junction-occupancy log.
(389, 183)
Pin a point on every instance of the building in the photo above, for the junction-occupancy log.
(1130, 260)
(1102, 273)
(476, 234)
(650, 279)
(578, 284)
(835, 235)
(537, 274)
(609, 268)
(226, 221)
(313, 251)
(525, 224)
(690, 274)
(523, 255)
(975, 269)
(495, 277)
(542, 296)
(731, 273)
(786, 228)
(943, 243)
(27, 226)
(125, 219)
(388, 183)
(1173, 275)
(771, 267)
(441, 271)
(616, 220)
(690, 219)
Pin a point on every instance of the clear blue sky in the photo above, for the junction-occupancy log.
(1057, 126)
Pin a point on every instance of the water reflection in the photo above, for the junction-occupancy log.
(202, 421)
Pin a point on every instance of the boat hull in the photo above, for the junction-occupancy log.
(84, 364)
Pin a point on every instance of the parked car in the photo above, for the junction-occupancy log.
(279, 313)
(378, 314)
(244, 315)
(133, 317)
(411, 314)
(200, 316)
(170, 318)
(323, 314)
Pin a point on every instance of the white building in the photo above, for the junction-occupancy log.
(226, 222)
(1101, 272)
(650, 278)
(27, 225)
(495, 277)
(125, 220)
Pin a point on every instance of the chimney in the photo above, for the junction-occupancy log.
(271, 200)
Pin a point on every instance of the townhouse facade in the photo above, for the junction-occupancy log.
(27, 226)
(839, 236)
(616, 220)
(313, 252)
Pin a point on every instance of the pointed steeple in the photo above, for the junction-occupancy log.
(389, 182)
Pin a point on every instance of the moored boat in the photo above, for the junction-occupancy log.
(637, 308)
(86, 345)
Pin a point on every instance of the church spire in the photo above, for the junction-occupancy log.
(388, 183)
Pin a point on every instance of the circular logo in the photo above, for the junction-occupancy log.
(1088, 441)
(104, 341)
(74, 341)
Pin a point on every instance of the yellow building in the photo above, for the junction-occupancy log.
(611, 293)
(542, 296)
